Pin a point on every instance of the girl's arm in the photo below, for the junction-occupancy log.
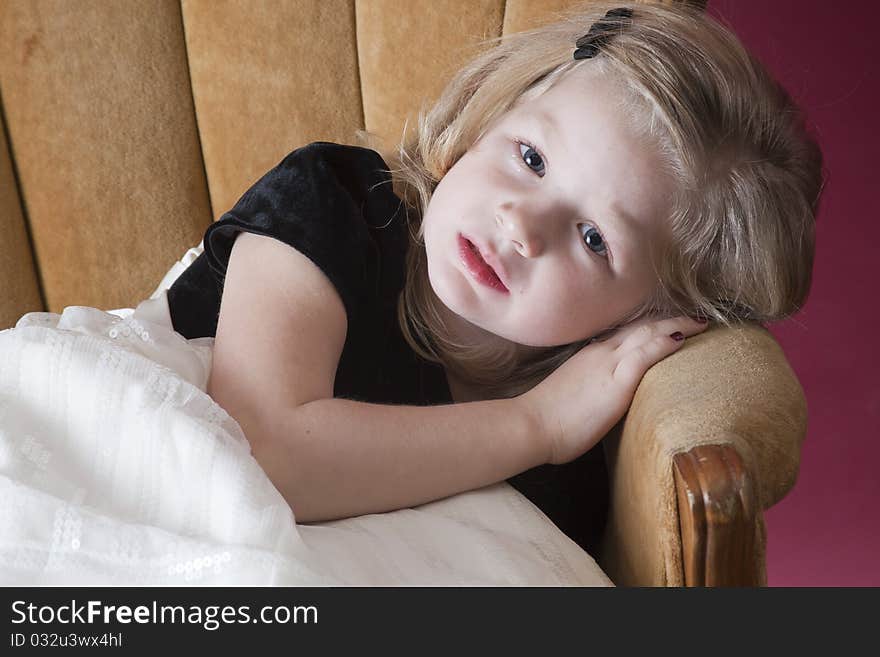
(335, 458)
(280, 336)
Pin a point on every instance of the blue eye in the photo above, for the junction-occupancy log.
(532, 157)
(595, 239)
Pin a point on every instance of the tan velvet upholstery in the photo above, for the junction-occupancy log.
(129, 126)
(99, 112)
(18, 275)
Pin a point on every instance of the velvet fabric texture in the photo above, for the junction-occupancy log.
(335, 204)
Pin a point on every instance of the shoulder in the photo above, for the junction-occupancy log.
(328, 151)
(321, 186)
(350, 166)
(323, 178)
(326, 200)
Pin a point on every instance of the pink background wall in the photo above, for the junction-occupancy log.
(826, 532)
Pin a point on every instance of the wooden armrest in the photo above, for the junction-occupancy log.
(718, 519)
(712, 438)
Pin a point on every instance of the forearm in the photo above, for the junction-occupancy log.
(337, 458)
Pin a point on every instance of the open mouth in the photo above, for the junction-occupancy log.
(477, 266)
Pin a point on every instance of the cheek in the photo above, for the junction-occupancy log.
(436, 211)
(474, 177)
(566, 300)
(443, 199)
(550, 300)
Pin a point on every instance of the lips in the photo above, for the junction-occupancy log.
(477, 266)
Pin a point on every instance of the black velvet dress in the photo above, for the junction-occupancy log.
(335, 204)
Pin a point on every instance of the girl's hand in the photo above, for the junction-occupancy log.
(588, 394)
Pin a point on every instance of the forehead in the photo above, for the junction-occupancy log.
(584, 98)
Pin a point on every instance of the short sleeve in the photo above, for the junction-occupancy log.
(320, 199)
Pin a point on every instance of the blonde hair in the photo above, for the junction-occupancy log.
(747, 176)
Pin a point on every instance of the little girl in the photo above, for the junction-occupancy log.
(577, 199)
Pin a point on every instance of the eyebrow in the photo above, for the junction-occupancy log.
(625, 225)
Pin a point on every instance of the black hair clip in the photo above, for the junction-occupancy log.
(600, 31)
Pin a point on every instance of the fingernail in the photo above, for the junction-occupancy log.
(678, 336)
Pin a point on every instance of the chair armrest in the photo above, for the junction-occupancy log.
(712, 438)
(722, 533)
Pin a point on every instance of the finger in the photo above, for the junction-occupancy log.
(639, 358)
(616, 338)
(641, 332)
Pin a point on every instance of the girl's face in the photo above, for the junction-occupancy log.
(566, 206)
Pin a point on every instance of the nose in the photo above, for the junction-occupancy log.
(522, 228)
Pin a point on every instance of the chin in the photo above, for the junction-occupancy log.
(540, 342)
(512, 337)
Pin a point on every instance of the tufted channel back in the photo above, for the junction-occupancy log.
(130, 125)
